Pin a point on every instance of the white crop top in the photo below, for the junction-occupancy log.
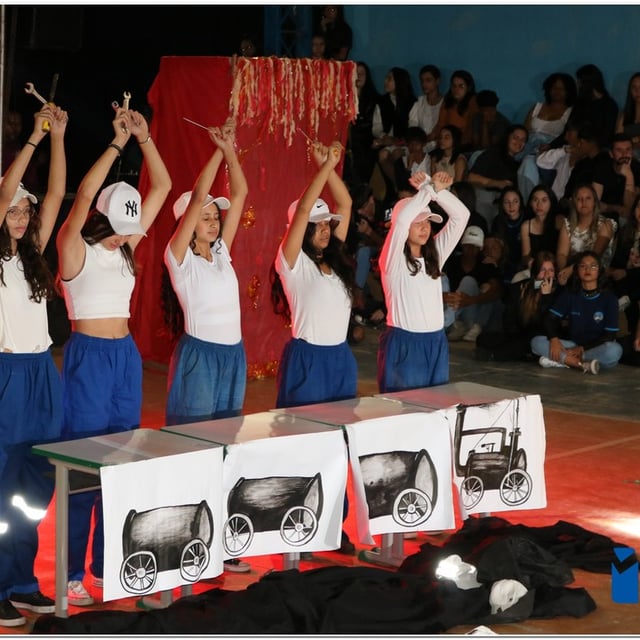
(24, 327)
(208, 294)
(103, 287)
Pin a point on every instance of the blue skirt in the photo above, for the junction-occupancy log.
(410, 360)
(207, 380)
(310, 373)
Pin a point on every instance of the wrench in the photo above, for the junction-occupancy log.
(29, 88)
(125, 105)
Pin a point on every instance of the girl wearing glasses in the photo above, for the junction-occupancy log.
(30, 390)
(591, 313)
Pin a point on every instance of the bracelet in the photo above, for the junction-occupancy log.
(118, 148)
(33, 144)
(145, 142)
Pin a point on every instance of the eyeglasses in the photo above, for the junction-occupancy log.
(15, 213)
(588, 267)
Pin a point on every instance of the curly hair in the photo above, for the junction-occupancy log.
(36, 270)
(334, 255)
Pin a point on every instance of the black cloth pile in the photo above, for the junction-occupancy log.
(366, 600)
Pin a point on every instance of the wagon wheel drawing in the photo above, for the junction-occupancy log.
(139, 572)
(194, 559)
(237, 535)
(298, 525)
(411, 507)
(472, 491)
(515, 487)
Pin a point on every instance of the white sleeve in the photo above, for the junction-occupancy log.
(413, 115)
(450, 234)
(376, 126)
(550, 158)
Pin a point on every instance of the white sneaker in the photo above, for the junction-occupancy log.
(78, 595)
(591, 366)
(548, 363)
(473, 333)
(456, 331)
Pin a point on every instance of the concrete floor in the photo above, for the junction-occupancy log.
(592, 475)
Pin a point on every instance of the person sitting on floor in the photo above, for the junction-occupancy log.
(591, 313)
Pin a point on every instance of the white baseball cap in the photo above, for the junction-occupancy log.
(319, 212)
(181, 204)
(473, 235)
(426, 214)
(122, 205)
(21, 192)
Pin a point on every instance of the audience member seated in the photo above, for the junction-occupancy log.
(476, 288)
(337, 33)
(466, 193)
(526, 305)
(319, 47)
(249, 46)
(426, 110)
(588, 312)
(507, 226)
(585, 229)
(459, 107)
(414, 160)
(542, 225)
(555, 164)
(497, 168)
(448, 156)
(624, 272)
(360, 157)
(489, 126)
(629, 118)
(594, 104)
(390, 123)
(616, 182)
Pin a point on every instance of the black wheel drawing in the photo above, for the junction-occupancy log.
(194, 560)
(298, 525)
(237, 534)
(139, 572)
(515, 487)
(411, 507)
(472, 491)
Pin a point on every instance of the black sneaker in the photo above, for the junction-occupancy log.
(33, 601)
(10, 616)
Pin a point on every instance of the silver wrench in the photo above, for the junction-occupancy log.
(29, 88)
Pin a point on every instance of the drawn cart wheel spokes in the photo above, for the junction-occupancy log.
(139, 572)
(515, 487)
(237, 535)
(298, 525)
(194, 560)
(411, 507)
(472, 491)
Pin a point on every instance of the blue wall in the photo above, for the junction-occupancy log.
(508, 48)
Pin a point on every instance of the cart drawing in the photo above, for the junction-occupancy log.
(165, 538)
(493, 461)
(291, 505)
(401, 483)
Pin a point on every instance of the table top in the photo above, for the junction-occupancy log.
(450, 395)
(351, 411)
(254, 426)
(119, 448)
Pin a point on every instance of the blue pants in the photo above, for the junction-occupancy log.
(487, 314)
(410, 360)
(206, 381)
(31, 401)
(310, 374)
(102, 390)
(607, 353)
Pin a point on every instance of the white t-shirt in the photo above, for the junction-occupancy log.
(320, 305)
(24, 327)
(414, 303)
(208, 294)
(424, 115)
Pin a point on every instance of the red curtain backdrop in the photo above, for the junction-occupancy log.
(272, 99)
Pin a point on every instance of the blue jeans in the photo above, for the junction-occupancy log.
(607, 353)
(486, 314)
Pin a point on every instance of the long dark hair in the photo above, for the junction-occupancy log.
(549, 225)
(569, 87)
(437, 154)
(629, 113)
(97, 228)
(529, 310)
(36, 270)
(334, 255)
(575, 282)
(463, 105)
